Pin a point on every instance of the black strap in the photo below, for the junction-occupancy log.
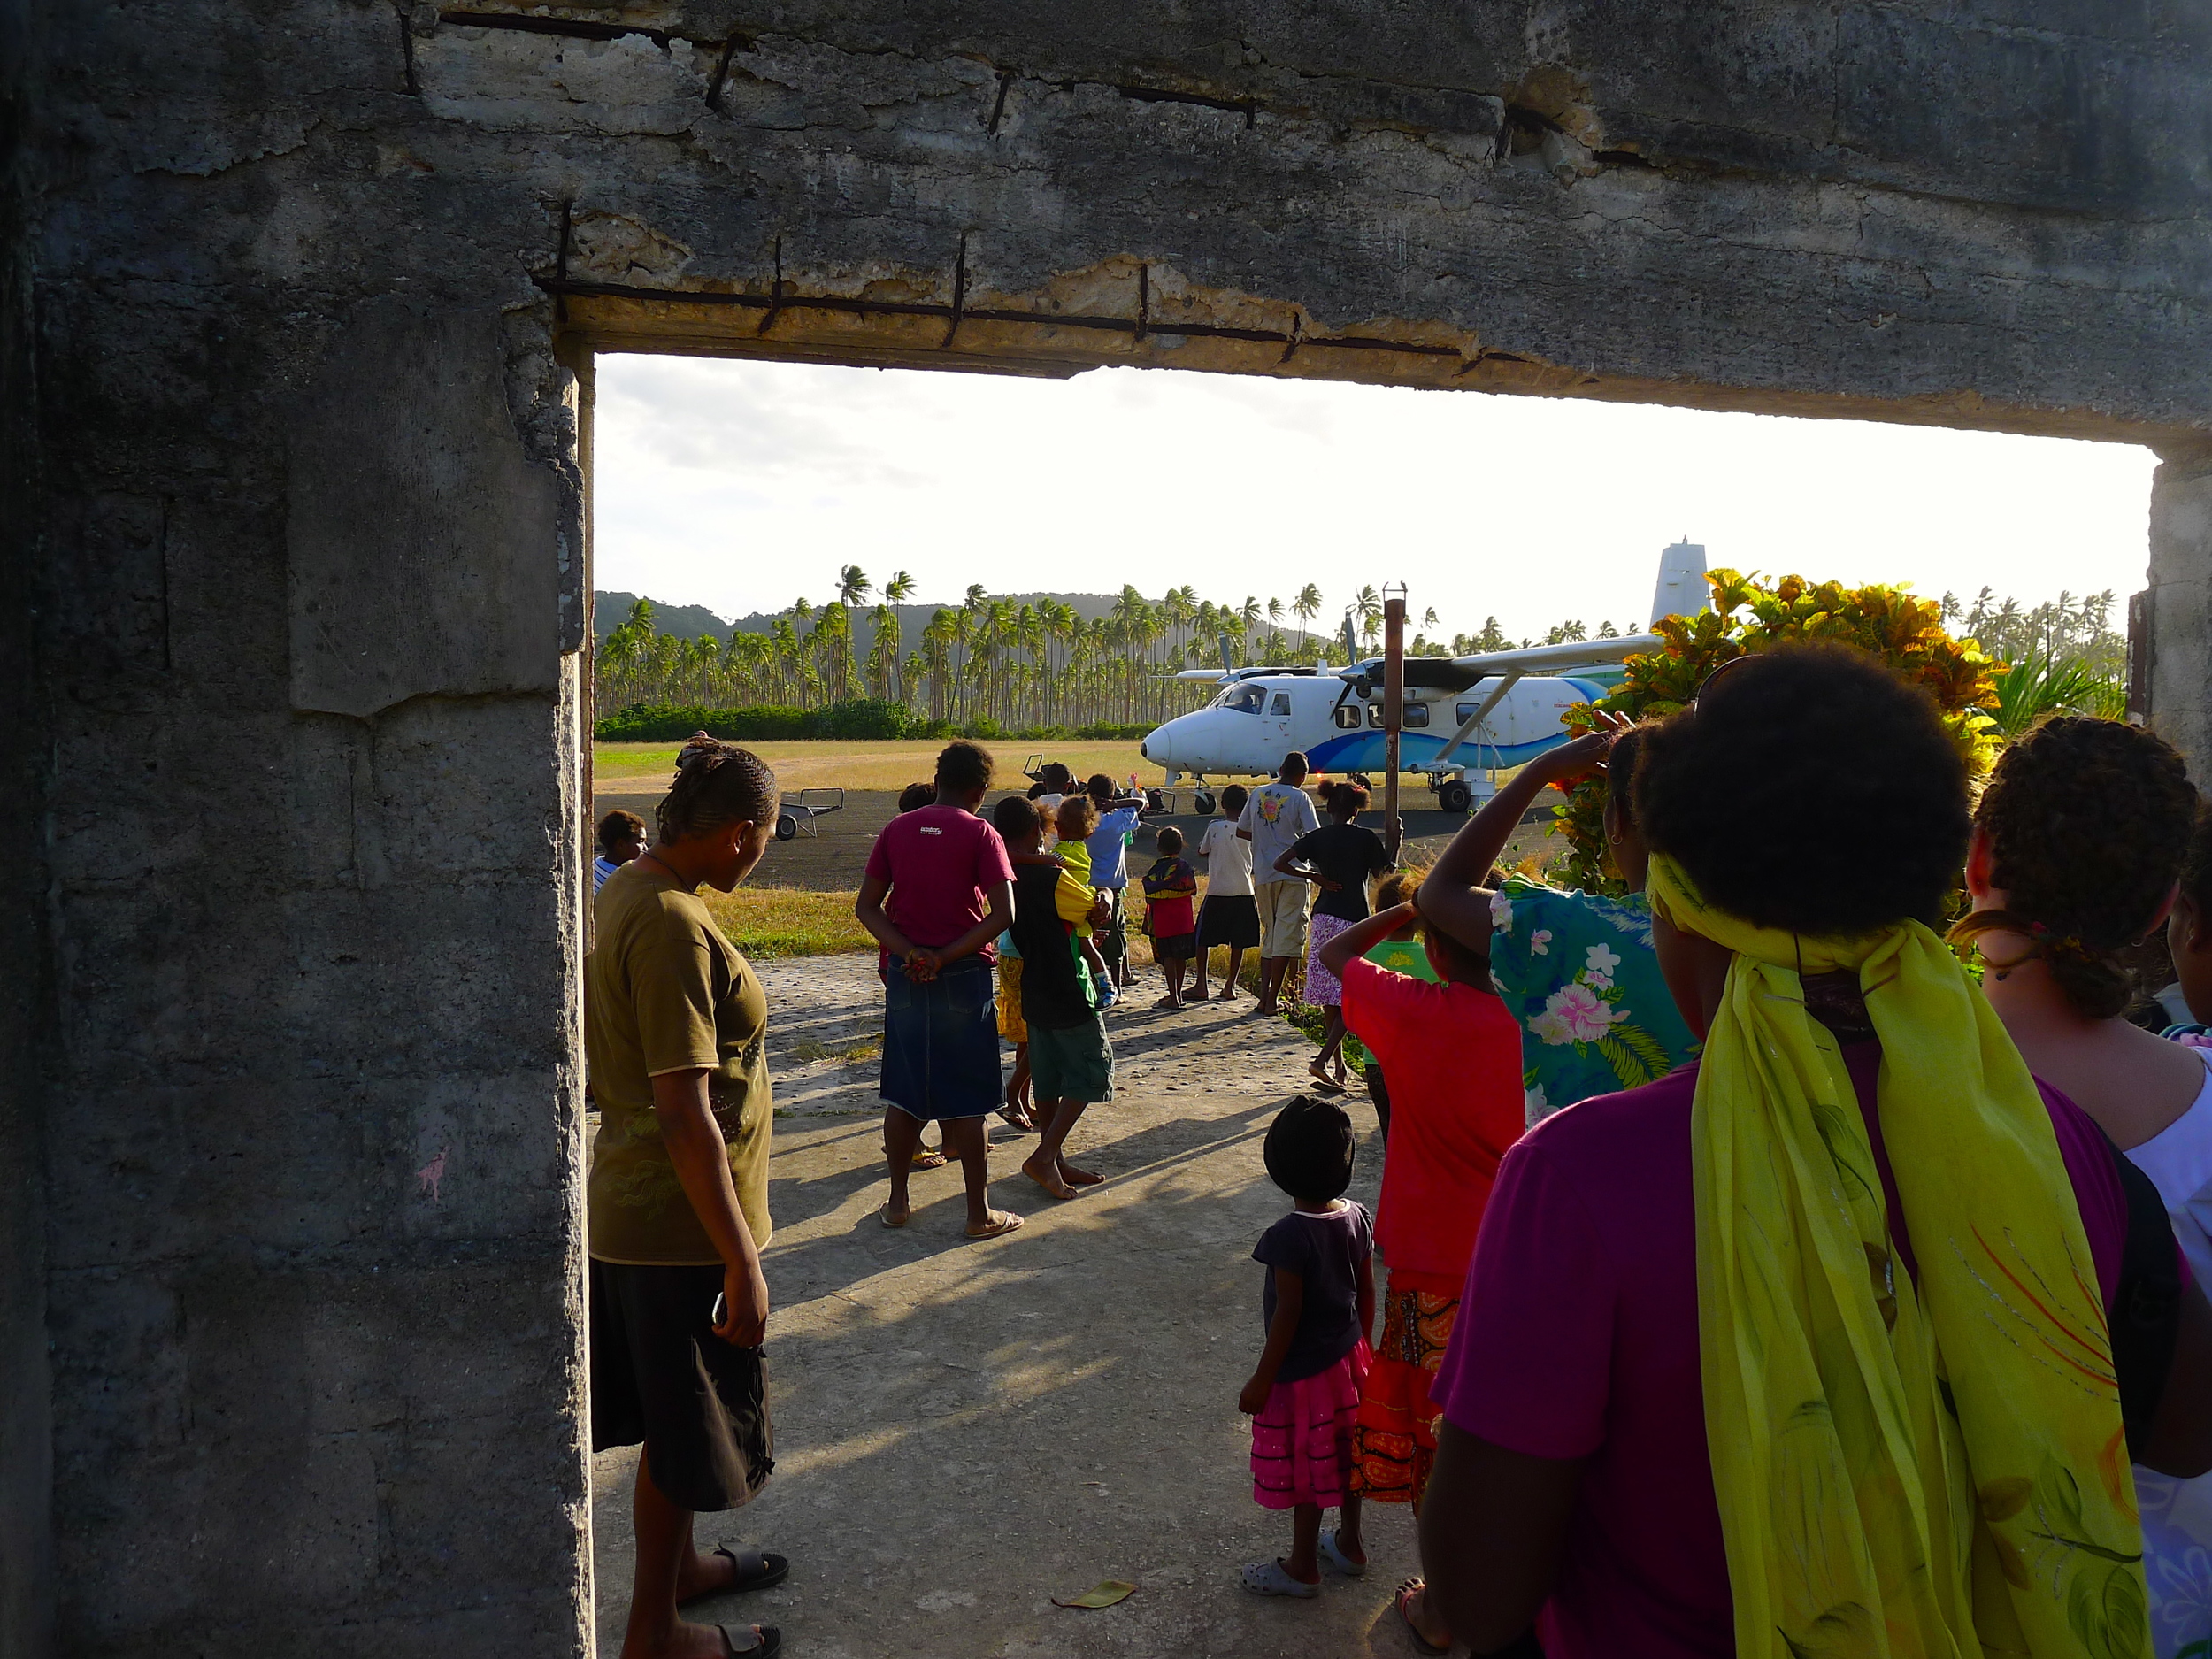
(2146, 1312)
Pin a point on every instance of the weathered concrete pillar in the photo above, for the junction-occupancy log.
(309, 1111)
(2181, 604)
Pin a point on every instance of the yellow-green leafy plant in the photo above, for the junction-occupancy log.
(1749, 615)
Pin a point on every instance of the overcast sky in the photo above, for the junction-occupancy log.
(740, 485)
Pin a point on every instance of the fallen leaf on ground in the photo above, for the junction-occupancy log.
(1102, 1594)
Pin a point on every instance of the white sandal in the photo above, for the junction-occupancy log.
(1271, 1577)
(1338, 1559)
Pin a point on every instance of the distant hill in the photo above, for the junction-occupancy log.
(689, 622)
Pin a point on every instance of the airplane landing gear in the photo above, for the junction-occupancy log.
(1454, 796)
(1203, 804)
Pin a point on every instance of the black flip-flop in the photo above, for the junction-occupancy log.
(771, 1643)
(755, 1569)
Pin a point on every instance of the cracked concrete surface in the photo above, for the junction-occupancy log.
(964, 1431)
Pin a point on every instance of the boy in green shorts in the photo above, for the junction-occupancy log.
(1070, 1061)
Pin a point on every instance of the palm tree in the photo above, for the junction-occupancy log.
(1367, 606)
(853, 586)
(899, 589)
(1247, 620)
(1307, 605)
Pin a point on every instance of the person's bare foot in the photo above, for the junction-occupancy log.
(1046, 1177)
(1412, 1598)
(1171, 1005)
(1228, 993)
(1075, 1177)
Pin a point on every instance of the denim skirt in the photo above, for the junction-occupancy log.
(940, 1054)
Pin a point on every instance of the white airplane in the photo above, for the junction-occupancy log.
(1464, 718)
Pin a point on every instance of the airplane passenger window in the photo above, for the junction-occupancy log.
(1348, 716)
(1465, 711)
(1281, 704)
(1416, 714)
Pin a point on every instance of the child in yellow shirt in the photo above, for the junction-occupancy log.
(1073, 822)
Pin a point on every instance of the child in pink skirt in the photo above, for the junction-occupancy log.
(1303, 1397)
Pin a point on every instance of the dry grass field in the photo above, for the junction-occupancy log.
(842, 764)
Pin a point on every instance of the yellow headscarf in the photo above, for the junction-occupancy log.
(1924, 1471)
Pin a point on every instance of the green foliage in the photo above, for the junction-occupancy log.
(1749, 615)
(2036, 687)
(664, 723)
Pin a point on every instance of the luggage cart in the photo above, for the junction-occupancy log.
(799, 813)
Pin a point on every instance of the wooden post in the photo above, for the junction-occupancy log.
(1393, 697)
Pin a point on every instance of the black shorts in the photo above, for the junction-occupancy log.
(1232, 919)
(660, 1375)
(1175, 948)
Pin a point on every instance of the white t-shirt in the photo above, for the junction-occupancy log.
(1276, 816)
(2176, 1515)
(1228, 857)
(2179, 1160)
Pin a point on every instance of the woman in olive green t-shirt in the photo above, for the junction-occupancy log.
(673, 1027)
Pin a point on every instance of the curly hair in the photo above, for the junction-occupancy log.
(1346, 801)
(1811, 790)
(915, 796)
(1233, 800)
(1620, 773)
(2196, 868)
(2088, 824)
(716, 783)
(618, 825)
(1075, 818)
(963, 765)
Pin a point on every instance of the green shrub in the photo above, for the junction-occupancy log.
(672, 723)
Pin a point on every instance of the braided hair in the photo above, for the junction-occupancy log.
(716, 783)
(2088, 823)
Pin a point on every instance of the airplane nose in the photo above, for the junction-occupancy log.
(1145, 749)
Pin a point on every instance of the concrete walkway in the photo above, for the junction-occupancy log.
(966, 1431)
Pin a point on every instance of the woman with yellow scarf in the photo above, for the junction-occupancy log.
(1839, 1341)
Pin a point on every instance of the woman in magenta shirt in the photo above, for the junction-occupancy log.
(1573, 1478)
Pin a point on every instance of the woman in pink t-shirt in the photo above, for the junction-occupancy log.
(938, 889)
(1810, 793)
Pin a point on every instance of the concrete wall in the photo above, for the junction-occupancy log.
(290, 833)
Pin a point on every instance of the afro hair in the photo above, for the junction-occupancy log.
(1809, 789)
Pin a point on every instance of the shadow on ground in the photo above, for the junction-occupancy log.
(966, 1431)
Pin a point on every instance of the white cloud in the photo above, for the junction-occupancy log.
(742, 485)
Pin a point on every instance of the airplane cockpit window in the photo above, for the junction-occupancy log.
(1281, 705)
(1347, 717)
(1243, 699)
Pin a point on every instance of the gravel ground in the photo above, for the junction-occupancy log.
(964, 1431)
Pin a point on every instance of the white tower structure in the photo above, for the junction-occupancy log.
(1681, 591)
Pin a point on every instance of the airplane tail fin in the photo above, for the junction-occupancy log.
(1681, 590)
(1351, 639)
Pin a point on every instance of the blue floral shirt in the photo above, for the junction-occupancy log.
(1577, 970)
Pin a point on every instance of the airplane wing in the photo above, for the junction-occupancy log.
(1456, 673)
